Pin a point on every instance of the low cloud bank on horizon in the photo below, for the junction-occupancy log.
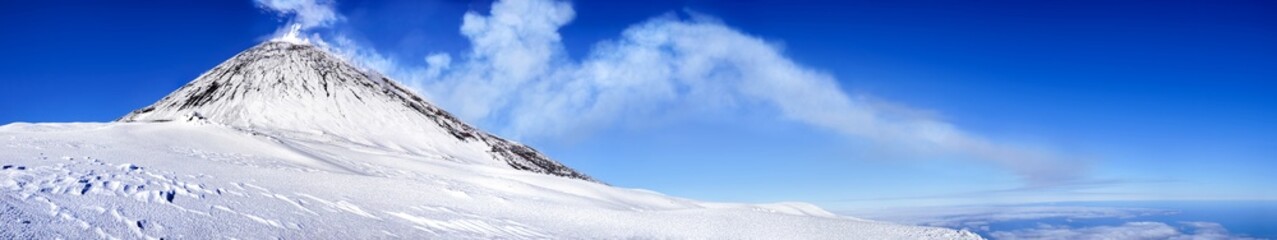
(1128, 230)
(1044, 222)
(517, 76)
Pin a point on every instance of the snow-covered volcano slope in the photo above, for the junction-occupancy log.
(285, 141)
(293, 90)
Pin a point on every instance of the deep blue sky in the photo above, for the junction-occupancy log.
(1174, 99)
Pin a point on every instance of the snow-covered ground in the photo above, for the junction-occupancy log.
(195, 179)
(285, 140)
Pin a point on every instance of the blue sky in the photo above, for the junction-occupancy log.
(1126, 100)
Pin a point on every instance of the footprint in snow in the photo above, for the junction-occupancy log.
(129, 167)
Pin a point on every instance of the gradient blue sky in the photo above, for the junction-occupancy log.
(1161, 100)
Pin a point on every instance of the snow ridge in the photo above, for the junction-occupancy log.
(296, 90)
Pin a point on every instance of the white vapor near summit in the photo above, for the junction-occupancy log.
(307, 13)
(518, 78)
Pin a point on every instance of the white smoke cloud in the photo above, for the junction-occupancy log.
(518, 77)
(301, 14)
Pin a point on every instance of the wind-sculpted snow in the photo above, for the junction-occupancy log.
(196, 179)
(300, 91)
(285, 141)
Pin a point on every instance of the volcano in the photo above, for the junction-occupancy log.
(282, 88)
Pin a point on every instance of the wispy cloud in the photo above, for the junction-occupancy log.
(518, 77)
